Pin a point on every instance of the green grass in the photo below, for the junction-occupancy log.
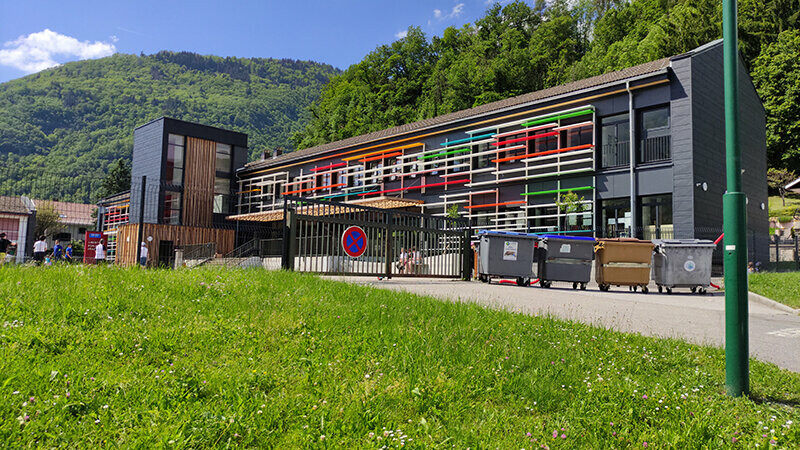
(781, 287)
(108, 357)
(776, 208)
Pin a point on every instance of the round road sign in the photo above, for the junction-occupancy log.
(354, 241)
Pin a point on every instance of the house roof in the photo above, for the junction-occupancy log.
(71, 213)
(13, 205)
(651, 67)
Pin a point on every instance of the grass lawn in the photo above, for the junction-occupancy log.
(781, 287)
(108, 357)
(776, 208)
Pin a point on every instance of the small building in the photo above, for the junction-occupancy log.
(189, 170)
(16, 221)
(74, 220)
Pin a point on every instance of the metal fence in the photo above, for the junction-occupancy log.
(387, 242)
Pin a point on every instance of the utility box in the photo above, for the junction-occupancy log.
(623, 262)
(565, 258)
(506, 254)
(683, 263)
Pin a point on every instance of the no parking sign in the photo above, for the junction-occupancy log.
(354, 241)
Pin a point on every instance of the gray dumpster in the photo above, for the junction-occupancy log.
(506, 254)
(682, 263)
(565, 258)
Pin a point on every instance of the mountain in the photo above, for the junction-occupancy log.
(62, 128)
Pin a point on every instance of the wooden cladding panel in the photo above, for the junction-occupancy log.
(127, 251)
(198, 184)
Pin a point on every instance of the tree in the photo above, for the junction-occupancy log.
(48, 219)
(776, 74)
(117, 180)
(570, 203)
(778, 179)
(452, 212)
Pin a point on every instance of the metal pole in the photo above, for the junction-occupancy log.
(737, 373)
(140, 234)
(632, 158)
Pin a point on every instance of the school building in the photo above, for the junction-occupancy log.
(642, 149)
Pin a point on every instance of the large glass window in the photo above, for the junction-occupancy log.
(615, 217)
(615, 141)
(654, 135)
(223, 158)
(222, 194)
(481, 161)
(172, 208)
(657, 216)
(175, 153)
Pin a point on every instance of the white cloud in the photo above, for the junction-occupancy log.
(114, 38)
(401, 34)
(38, 51)
(457, 10)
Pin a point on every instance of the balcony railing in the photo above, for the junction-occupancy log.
(654, 149)
(615, 155)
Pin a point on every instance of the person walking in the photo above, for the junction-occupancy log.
(4, 245)
(99, 254)
(143, 252)
(68, 253)
(39, 247)
(58, 251)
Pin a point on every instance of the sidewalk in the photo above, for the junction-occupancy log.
(774, 333)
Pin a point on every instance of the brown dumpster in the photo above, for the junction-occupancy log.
(623, 262)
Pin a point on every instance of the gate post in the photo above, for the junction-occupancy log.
(289, 238)
(389, 244)
(466, 256)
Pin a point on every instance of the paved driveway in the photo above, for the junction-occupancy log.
(774, 333)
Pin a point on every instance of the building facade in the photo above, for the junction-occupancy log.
(637, 152)
(186, 196)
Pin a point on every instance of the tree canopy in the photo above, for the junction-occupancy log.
(521, 47)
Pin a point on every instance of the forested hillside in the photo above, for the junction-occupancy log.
(61, 129)
(519, 48)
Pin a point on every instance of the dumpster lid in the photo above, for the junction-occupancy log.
(572, 238)
(683, 243)
(508, 233)
(623, 240)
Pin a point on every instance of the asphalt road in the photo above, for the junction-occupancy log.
(774, 333)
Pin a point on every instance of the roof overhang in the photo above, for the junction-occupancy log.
(377, 202)
(794, 186)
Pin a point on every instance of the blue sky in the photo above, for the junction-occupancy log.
(36, 34)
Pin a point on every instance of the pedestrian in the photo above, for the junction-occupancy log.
(39, 247)
(401, 264)
(68, 253)
(143, 255)
(99, 254)
(58, 251)
(4, 245)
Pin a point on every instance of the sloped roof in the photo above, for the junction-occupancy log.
(651, 67)
(13, 205)
(71, 213)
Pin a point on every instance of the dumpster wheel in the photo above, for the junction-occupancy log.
(604, 287)
(645, 290)
(583, 286)
(545, 284)
(693, 289)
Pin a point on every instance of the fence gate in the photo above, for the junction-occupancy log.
(345, 239)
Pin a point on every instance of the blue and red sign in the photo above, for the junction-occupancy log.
(354, 241)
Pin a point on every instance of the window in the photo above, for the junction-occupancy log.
(657, 216)
(481, 161)
(223, 158)
(172, 208)
(175, 153)
(615, 217)
(222, 194)
(615, 141)
(654, 135)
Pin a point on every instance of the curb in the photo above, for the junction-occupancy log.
(753, 297)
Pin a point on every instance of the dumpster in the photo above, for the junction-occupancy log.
(684, 263)
(623, 262)
(565, 258)
(506, 254)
